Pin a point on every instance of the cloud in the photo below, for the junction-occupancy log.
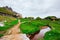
(34, 8)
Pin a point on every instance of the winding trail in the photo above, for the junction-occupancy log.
(15, 29)
(14, 34)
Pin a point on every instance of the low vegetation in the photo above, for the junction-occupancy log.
(52, 35)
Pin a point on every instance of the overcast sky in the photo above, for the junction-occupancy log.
(34, 8)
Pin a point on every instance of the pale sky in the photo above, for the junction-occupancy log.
(34, 8)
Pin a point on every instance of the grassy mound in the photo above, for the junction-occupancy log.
(28, 28)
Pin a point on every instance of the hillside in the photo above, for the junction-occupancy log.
(7, 11)
(8, 18)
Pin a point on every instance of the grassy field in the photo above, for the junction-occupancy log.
(32, 26)
(39, 23)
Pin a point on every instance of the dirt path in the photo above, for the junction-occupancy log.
(14, 34)
(15, 29)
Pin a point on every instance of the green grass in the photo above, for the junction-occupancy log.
(52, 35)
(31, 26)
(28, 28)
(1, 35)
(55, 26)
(10, 21)
(8, 25)
(24, 20)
